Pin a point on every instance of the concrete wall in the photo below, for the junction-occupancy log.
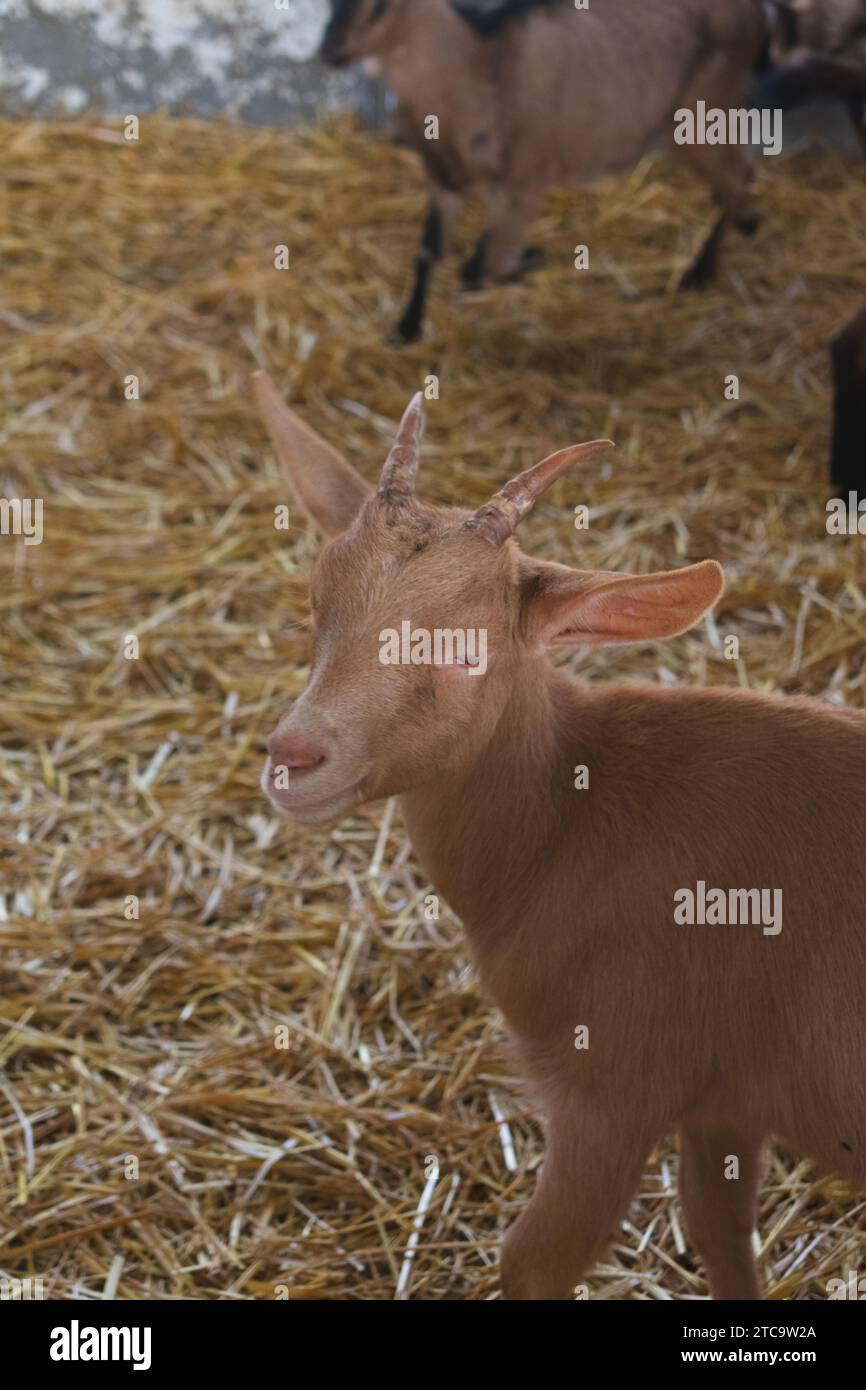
(243, 58)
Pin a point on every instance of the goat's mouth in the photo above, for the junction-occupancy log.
(296, 801)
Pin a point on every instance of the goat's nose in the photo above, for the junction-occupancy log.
(295, 752)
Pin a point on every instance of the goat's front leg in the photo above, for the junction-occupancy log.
(727, 168)
(441, 212)
(591, 1170)
(498, 254)
(720, 1171)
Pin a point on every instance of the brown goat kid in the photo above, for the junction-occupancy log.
(732, 1033)
(540, 93)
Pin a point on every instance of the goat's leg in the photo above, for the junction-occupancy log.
(705, 265)
(848, 353)
(726, 168)
(472, 271)
(857, 114)
(720, 1208)
(590, 1172)
(730, 174)
(498, 254)
(441, 213)
(729, 170)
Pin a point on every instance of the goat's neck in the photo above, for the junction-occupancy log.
(482, 831)
(438, 53)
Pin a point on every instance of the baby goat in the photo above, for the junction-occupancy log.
(571, 826)
(537, 93)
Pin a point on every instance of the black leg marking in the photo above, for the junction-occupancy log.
(703, 267)
(529, 259)
(472, 270)
(429, 252)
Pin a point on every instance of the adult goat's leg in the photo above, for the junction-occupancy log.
(729, 170)
(441, 212)
(498, 254)
(726, 168)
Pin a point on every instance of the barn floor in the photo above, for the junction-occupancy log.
(154, 1142)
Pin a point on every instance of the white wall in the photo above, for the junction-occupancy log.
(238, 57)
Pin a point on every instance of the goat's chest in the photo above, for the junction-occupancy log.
(460, 147)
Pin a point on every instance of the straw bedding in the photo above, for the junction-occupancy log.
(148, 1046)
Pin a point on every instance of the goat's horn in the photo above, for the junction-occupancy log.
(497, 519)
(397, 483)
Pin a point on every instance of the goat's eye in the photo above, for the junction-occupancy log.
(462, 661)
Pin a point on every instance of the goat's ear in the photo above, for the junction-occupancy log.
(562, 605)
(326, 486)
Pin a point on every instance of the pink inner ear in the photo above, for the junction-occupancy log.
(639, 608)
(571, 636)
(609, 621)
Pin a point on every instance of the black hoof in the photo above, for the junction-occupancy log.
(699, 274)
(531, 258)
(472, 272)
(408, 330)
(749, 224)
(703, 268)
(694, 279)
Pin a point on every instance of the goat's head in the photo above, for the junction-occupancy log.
(424, 617)
(359, 29)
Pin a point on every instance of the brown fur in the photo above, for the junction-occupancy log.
(568, 895)
(556, 96)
